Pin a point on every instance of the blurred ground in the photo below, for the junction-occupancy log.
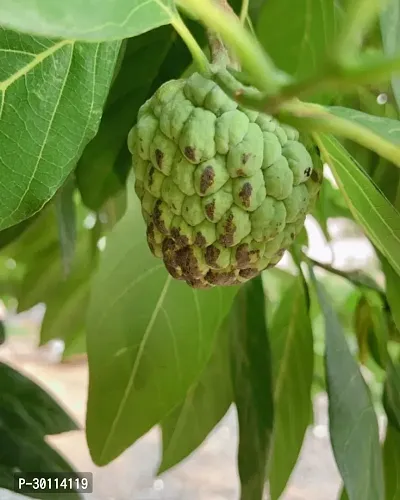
(210, 473)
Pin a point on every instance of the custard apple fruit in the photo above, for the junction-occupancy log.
(224, 190)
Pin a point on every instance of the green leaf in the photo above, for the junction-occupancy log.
(378, 217)
(206, 402)
(292, 353)
(392, 290)
(28, 414)
(66, 222)
(74, 345)
(88, 20)
(32, 404)
(387, 129)
(51, 98)
(301, 44)
(102, 170)
(149, 339)
(46, 282)
(252, 386)
(352, 420)
(66, 311)
(379, 332)
(390, 27)
(391, 395)
(391, 461)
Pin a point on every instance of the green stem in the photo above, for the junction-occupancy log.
(313, 117)
(358, 19)
(252, 57)
(244, 11)
(355, 277)
(194, 48)
(338, 77)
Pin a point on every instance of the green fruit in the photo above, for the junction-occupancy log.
(224, 190)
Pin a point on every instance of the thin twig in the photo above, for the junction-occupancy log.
(356, 277)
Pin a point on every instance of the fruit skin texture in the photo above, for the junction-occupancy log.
(224, 190)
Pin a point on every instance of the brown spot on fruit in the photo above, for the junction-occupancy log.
(249, 273)
(226, 238)
(211, 255)
(150, 232)
(245, 158)
(159, 157)
(198, 283)
(240, 172)
(206, 179)
(220, 278)
(151, 175)
(210, 210)
(187, 261)
(175, 273)
(245, 194)
(292, 235)
(180, 239)
(190, 153)
(200, 241)
(168, 249)
(242, 255)
(157, 218)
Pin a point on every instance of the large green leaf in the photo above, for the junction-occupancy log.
(206, 402)
(252, 386)
(292, 359)
(391, 461)
(51, 99)
(352, 420)
(390, 27)
(90, 20)
(378, 217)
(149, 339)
(302, 42)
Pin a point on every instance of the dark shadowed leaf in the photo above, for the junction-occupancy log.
(104, 165)
(390, 27)
(51, 98)
(392, 290)
(391, 395)
(391, 462)
(252, 386)
(378, 217)
(88, 20)
(378, 334)
(352, 420)
(149, 339)
(292, 353)
(34, 405)
(28, 414)
(206, 402)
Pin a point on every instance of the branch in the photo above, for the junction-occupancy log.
(356, 277)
